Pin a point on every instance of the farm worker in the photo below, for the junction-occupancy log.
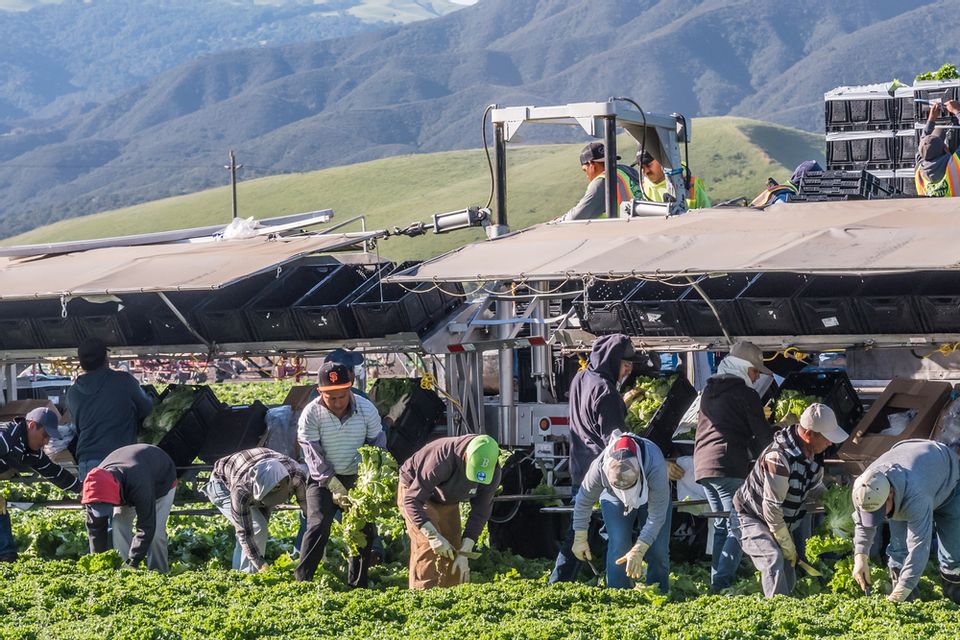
(937, 172)
(770, 507)
(915, 487)
(593, 204)
(731, 431)
(21, 444)
(433, 483)
(139, 479)
(655, 185)
(107, 406)
(245, 487)
(596, 411)
(331, 430)
(629, 478)
(775, 192)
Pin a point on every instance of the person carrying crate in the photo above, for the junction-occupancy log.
(937, 173)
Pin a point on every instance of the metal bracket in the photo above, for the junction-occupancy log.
(211, 347)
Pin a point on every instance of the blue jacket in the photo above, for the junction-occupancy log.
(107, 408)
(596, 407)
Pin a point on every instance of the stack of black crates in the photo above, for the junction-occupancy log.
(868, 129)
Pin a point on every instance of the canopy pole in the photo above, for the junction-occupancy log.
(610, 166)
(716, 314)
(211, 347)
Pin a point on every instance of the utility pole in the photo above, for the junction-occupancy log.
(232, 168)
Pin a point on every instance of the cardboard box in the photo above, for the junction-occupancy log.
(866, 444)
(20, 408)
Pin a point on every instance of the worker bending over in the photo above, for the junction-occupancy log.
(655, 185)
(914, 486)
(593, 204)
(629, 479)
(770, 506)
(139, 479)
(21, 444)
(433, 483)
(245, 487)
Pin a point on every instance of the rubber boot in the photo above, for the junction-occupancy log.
(951, 586)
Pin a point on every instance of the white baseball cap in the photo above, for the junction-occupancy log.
(870, 492)
(821, 419)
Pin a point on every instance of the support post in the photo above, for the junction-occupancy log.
(499, 180)
(610, 165)
(505, 311)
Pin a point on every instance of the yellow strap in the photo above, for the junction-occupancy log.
(584, 363)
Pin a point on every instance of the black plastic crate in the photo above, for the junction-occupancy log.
(838, 184)
(451, 296)
(934, 90)
(654, 309)
(165, 327)
(17, 330)
(766, 305)
(115, 323)
(938, 301)
(667, 418)
(833, 388)
(907, 142)
(270, 313)
(906, 108)
(862, 151)
(826, 305)
(323, 313)
(886, 305)
(184, 442)
(383, 309)
(58, 333)
(722, 292)
(220, 317)
(602, 308)
(859, 111)
(234, 429)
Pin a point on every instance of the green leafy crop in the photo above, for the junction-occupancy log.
(373, 497)
(945, 72)
(793, 403)
(649, 394)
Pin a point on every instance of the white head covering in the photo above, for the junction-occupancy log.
(637, 495)
(265, 476)
(734, 366)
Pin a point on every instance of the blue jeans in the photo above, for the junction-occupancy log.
(566, 567)
(946, 524)
(8, 546)
(726, 554)
(621, 530)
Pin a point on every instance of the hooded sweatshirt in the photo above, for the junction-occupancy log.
(932, 154)
(107, 408)
(596, 408)
(731, 429)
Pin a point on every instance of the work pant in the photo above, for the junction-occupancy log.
(566, 567)
(427, 569)
(123, 520)
(946, 526)
(622, 531)
(219, 495)
(84, 467)
(726, 555)
(321, 510)
(777, 576)
(8, 546)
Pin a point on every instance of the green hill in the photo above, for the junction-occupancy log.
(734, 156)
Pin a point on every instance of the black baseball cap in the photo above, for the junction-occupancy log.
(644, 158)
(333, 376)
(593, 152)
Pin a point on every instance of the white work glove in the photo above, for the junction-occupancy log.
(339, 492)
(782, 536)
(861, 571)
(581, 548)
(634, 560)
(674, 471)
(440, 545)
(899, 593)
(461, 564)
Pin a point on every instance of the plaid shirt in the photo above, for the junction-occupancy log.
(14, 452)
(234, 472)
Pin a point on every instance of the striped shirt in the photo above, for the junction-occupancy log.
(781, 482)
(14, 453)
(330, 444)
(234, 472)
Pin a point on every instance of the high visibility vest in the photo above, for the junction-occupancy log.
(627, 187)
(768, 195)
(948, 187)
(697, 192)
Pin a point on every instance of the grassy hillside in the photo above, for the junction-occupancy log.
(734, 156)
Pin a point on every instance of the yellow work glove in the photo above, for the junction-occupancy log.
(634, 560)
(861, 570)
(581, 548)
(782, 536)
(440, 545)
(674, 471)
(339, 492)
(461, 564)
(767, 412)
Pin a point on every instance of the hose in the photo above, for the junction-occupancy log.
(486, 150)
(643, 138)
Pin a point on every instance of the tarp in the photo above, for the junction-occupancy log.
(855, 237)
(152, 268)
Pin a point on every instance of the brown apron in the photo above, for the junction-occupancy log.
(427, 569)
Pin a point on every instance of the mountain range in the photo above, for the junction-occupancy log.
(422, 87)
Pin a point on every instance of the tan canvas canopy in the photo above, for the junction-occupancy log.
(858, 237)
(160, 267)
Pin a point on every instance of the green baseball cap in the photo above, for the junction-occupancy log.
(482, 455)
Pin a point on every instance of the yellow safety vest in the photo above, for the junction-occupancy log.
(949, 185)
